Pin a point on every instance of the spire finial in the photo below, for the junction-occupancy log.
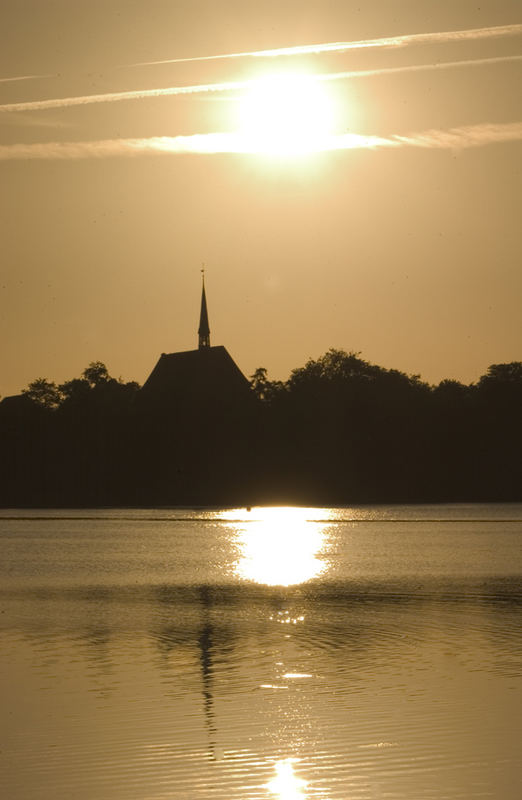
(204, 330)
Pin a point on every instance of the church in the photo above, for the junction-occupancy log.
(197, 426)
(207, 378)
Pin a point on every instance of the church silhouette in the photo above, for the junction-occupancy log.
(197, 426)
(204, 379)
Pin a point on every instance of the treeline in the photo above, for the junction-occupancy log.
(339, 430)
(343, 430)
(68, 444)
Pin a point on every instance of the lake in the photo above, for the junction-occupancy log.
(276, 653)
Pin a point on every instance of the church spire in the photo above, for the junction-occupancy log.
(203, 330)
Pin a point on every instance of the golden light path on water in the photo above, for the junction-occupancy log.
(286, 785)
(280, 546)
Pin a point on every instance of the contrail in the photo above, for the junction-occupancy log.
(26, 78)
(388, 41)
(112, 97)
(459, 138)
(366, 73)
(214, 143)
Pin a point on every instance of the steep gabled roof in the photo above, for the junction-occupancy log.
(207, 377)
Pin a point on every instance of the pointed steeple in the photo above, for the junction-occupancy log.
(203, 330)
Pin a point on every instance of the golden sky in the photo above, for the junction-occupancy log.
(384, 218)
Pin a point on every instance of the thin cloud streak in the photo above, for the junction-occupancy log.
(204, 88)
(215, 143)
(26, 78)
(367, 73)
(113, 97)
(107, 148)
(464, 137)
(389, 41)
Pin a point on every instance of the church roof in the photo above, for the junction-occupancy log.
(207, 377)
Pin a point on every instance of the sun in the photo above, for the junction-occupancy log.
(286, 114)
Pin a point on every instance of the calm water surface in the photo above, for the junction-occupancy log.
(286, 654)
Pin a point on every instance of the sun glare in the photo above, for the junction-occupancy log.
(281, 547)
(286, 114)
(286, 785)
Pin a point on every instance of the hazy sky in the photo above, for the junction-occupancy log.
(400, 238)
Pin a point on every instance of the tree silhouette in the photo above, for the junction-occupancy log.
(96, 373)
(44, 393)
(264, 389)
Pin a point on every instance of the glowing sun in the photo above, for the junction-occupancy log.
(287, 114)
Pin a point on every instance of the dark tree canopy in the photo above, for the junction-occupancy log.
(339, 430)
(264, 389)
(44, 393)
(96, 373)
(503, 373)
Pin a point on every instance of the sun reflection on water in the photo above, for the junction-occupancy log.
(286, 786)
(280, 547)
